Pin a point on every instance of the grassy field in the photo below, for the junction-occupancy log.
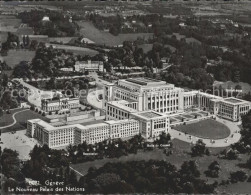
(9, 23)
(181, 152)
(15, 56)
(21, 120)
(88, 30)
(6, 119)
(3, 36)
(61, 39)
(75, 50)
(206, 129)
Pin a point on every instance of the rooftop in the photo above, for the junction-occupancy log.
(119, 121)
(149, 114)
(145, 81)
(233, 100)
(122, 104)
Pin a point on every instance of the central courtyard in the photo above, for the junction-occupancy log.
(209, 129)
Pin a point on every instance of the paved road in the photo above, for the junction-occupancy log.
(92, 98)
(219, 142)
(14, 119)
(34, 97)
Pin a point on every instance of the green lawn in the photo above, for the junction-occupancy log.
(6, 119)
(15, 56)
(210, 129)
(21, 120)
(88, 30)
(181, 152)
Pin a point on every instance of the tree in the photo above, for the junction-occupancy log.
(190, 169)
(5, 80)
(199, 149)
(238, 176)
(1, 112)
(213, 169)
(73, 178)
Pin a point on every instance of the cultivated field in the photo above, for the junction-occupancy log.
(88, 30)
(15, 56)
(206, 129)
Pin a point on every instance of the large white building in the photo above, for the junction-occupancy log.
(59, 136)
(82, 66)
(129, 96)
(146, 94)
(151, 123)
(51, 105)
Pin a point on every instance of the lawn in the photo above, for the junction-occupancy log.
(75, 50)
(15, 56)
(6, 119)
(181, 152)
(21, 120)
(88, 30)
(210, 129)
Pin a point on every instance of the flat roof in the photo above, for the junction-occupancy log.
(145, 81)
(233, 100)
(121, 104)
(120, 121)
(96, 125)
(45, 124)
(92, 122)
(149, 114)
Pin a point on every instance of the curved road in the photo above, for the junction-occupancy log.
(92, 98)
(233, 127)
(13, 117)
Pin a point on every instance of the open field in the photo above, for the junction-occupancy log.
(9, 23)
(15, 56)
(206, 129)
(21, 120)
(237, 188)
(75, 50)
(61, 39)
(7, 119)
(3, 36)
(181, 153)
(88, 30)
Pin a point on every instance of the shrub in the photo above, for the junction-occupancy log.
(238, 176)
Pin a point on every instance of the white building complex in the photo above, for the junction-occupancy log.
(143, 94)
(59, 136)
(133, 106)
(89, 66)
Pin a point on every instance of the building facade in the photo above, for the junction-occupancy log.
(89, 66)
(76, 134)
(134, 95)
(146, 94)
(48, 105)
(151, 123)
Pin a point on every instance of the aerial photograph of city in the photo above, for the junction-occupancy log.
(125, 97)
